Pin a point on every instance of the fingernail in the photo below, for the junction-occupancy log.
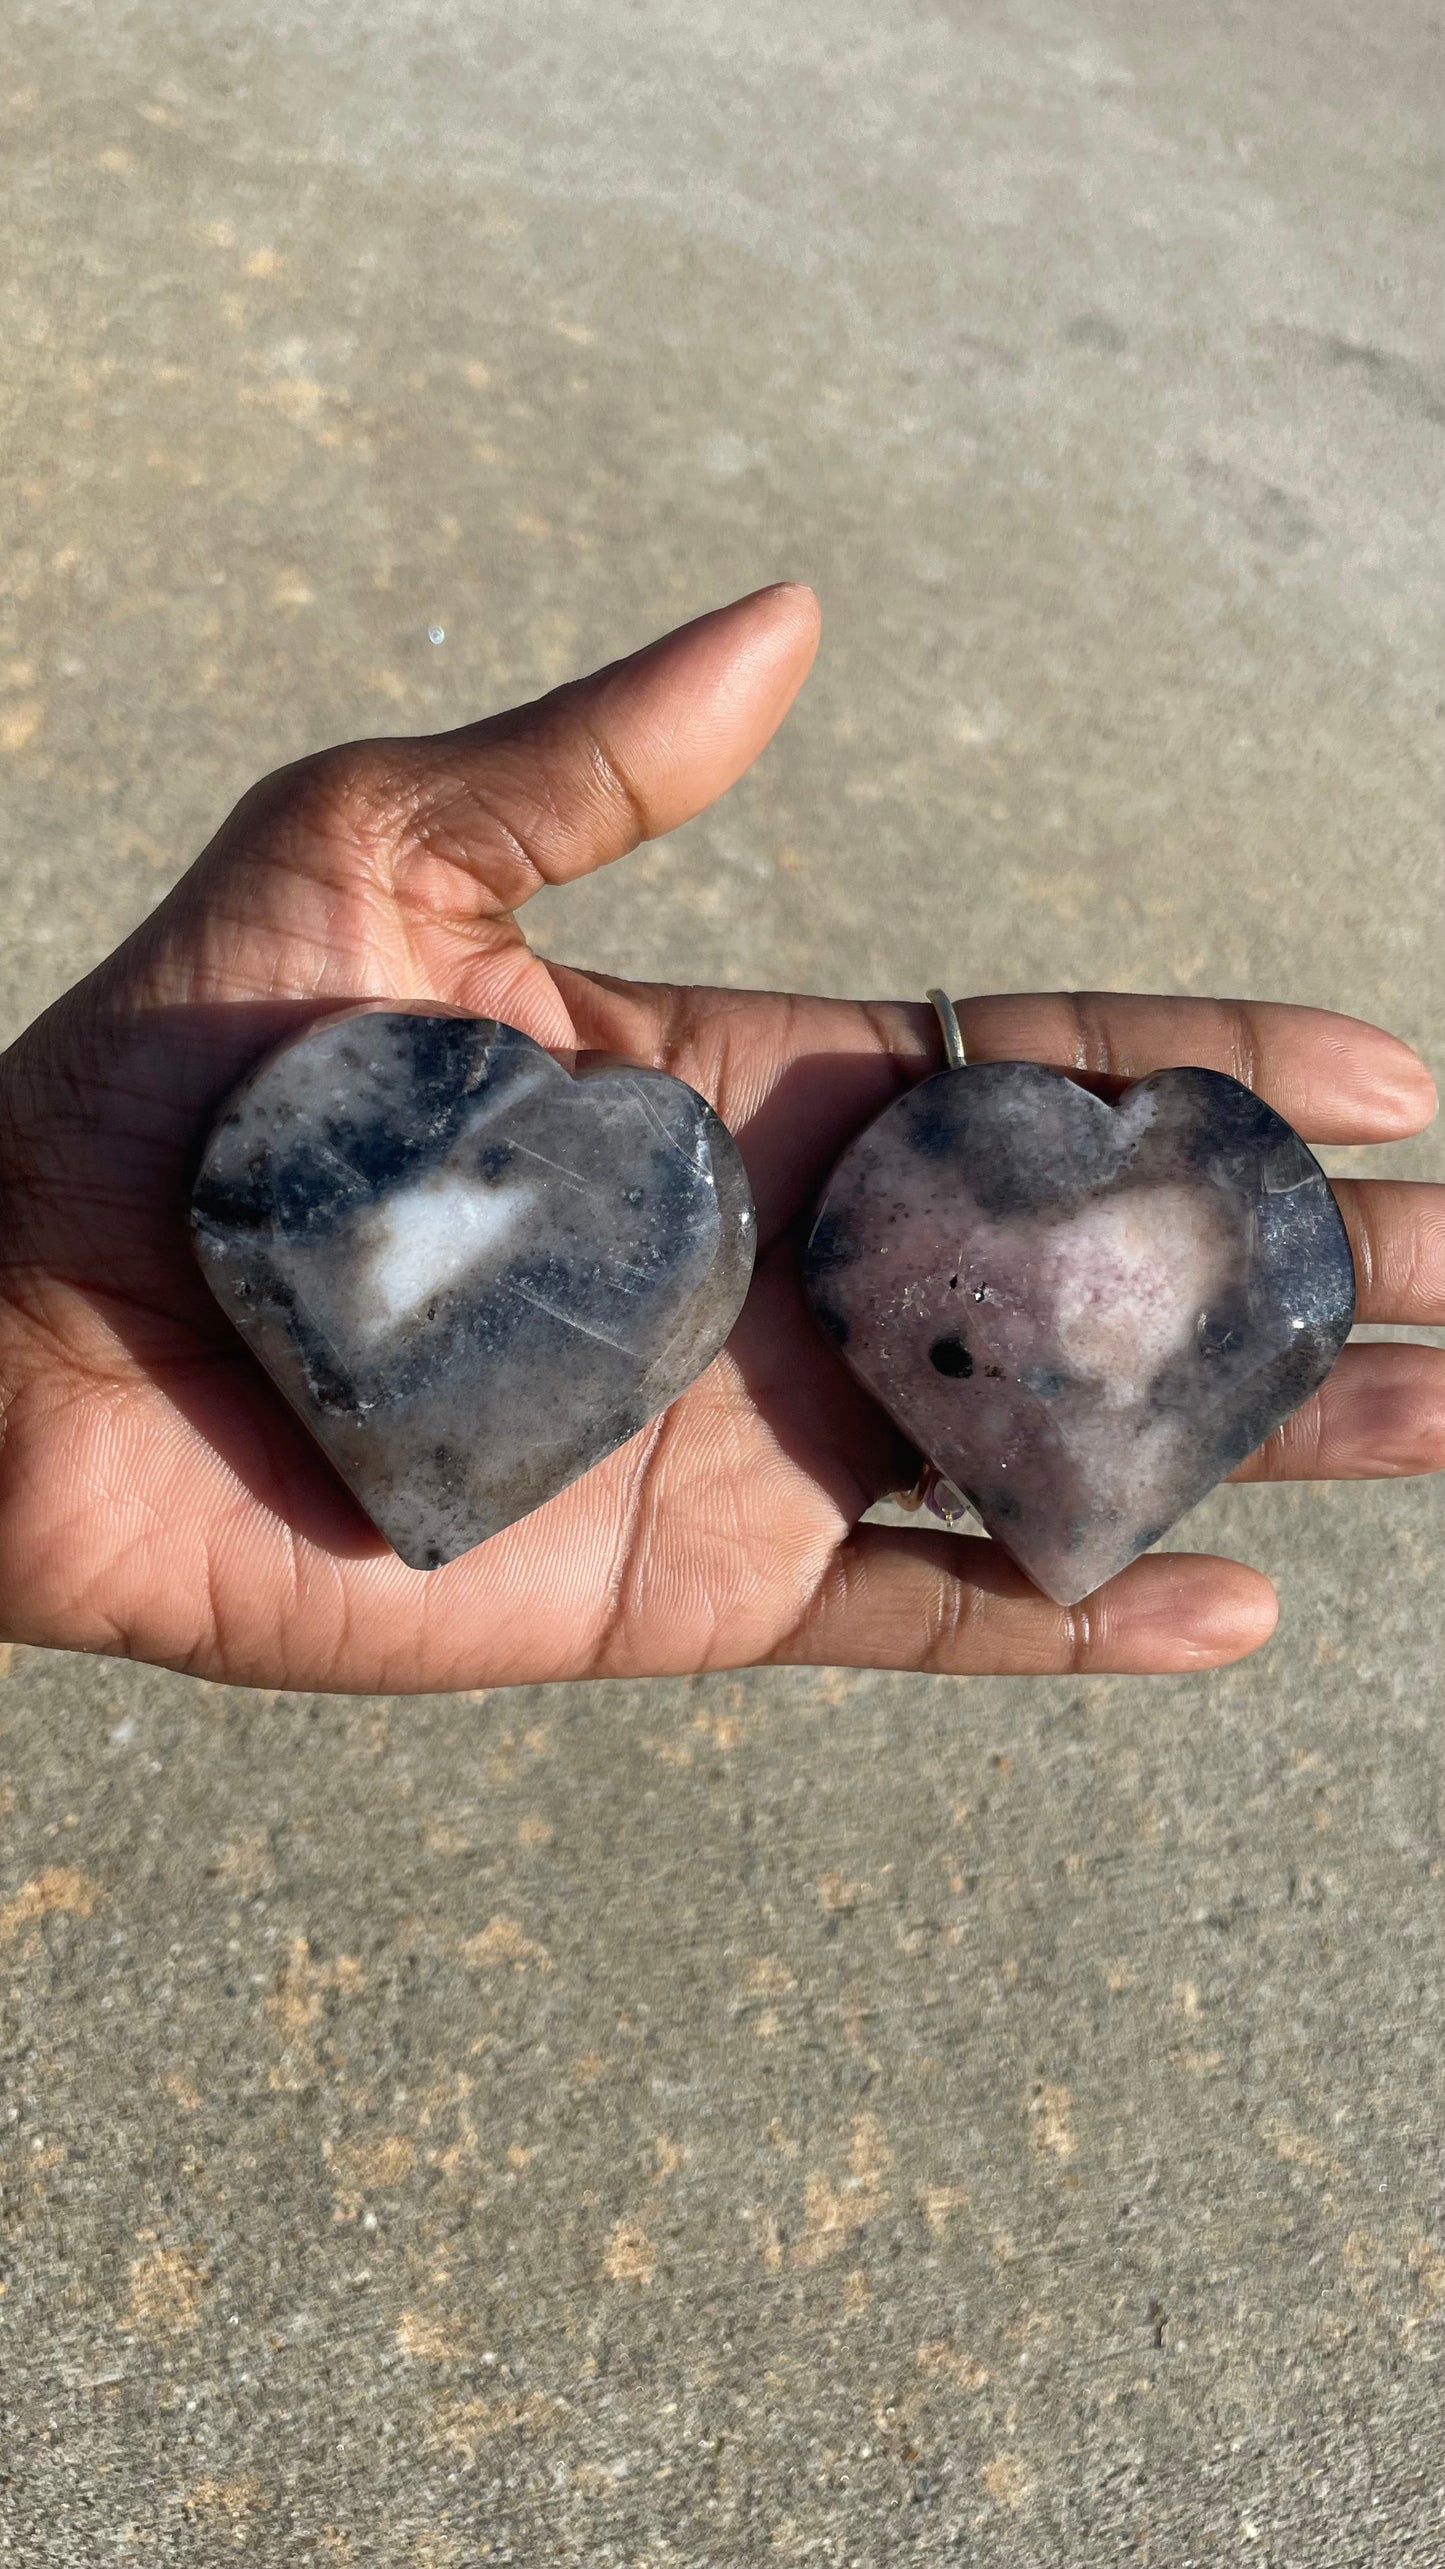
(1406, 1091)
(1209, 1612)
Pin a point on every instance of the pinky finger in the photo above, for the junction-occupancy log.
(953, 1606)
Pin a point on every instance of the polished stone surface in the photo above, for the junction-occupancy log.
(1084, 1314)
(473, 1274)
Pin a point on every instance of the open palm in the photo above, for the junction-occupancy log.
(157, 1497)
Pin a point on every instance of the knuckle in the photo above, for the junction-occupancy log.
(1416, 1245)
(1300, 1448)
(952, 1614)
(356, 791)
(501, 819)
(562, 798)
(452, 818)
(1293, 1451)
(612, 787)
(1364, 1248)
(1397, 1242)
(1093, 1044)
(1241, 1042)
(1410, 1428)
(1079, 1639)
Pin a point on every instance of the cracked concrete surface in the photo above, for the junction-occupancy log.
(803, 2117)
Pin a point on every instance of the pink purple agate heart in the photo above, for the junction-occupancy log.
(1084, 1314)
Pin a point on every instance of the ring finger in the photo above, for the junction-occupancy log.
(1379, 1416)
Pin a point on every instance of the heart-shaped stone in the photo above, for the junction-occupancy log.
(1083, 1314)
(472, 1272)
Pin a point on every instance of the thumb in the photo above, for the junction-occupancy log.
(559, 787)
(318, 885)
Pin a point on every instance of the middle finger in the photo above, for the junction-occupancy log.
(1397, 1241)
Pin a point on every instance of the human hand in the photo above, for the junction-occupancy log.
(158, 1499)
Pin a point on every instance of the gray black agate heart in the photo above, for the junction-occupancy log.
(1083, 1314)
(473, 1273)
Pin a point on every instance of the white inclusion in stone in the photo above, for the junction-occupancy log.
(424, 1238)
(436, 633)
(1134, 1273)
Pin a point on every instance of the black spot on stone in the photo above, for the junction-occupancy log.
(1151, 1535)
(930, 1126)
(1003, 1505)
(950, 1356)
(240, 1202)
(329, 1388)
(1221, 1333)
(832, 1245)
(832, 1323)
(495, 1160)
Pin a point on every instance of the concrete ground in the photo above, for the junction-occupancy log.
(802, 2118)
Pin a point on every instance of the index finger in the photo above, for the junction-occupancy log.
(1336, 1079)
